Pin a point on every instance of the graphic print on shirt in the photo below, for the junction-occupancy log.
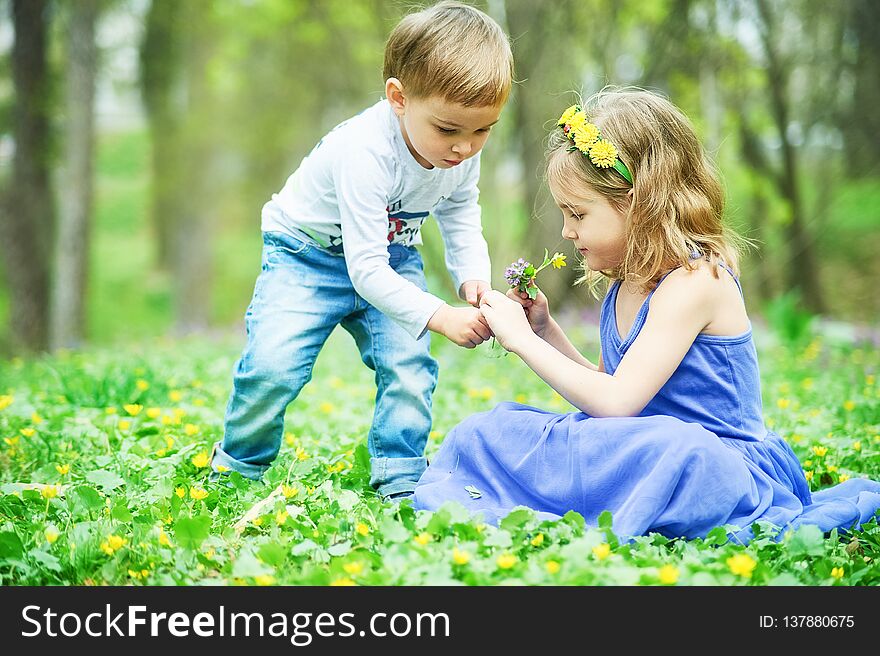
(403, 226)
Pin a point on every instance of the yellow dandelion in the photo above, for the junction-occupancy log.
(362, 529)
(558, 261)
(178, 413)
(567, 114)
(264, 579)
(289, 490)
(783, 403)
(837, 572)
(201, 459)
(222, 468)
(668, 574)
(301, 453)
(521, 398)
(281, 517)
(62, 469)
(175, 396)
(843, 478)
(36, 419)
(190, 429)
(742, 565)
(869, 381)
(603, 154)
(124, 425)
(538, 540)
(831, 468)
(11, 441)
(153, 413)
(422, 538)
(6, 401)
(820, 450)
(552, 567)
(808, 475)
(164, 540)
(506, 561)
(344, 581)
(460, 557)
(49, 491)
(602, 551)
(133, 408)
(257, 521)
(115, 542)
(27, 432)
(585, 136)
(197, 493)
(290, 439)
(180, 492)
(51, 534)
(353, 569)
(849, 406)
(578, 119)
(142, 385)
(857, 445)
(435, 435)
(110, 411)
(326, 407)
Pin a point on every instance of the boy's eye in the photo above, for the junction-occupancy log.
(445, 130)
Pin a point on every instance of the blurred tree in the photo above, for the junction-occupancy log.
(26, 220)
(860, 120)
(74, 221)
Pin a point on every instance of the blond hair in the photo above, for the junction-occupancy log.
(453, 51)
(678, 201)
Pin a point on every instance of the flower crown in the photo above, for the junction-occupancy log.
(586, 138)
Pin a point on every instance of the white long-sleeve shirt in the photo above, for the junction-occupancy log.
(360, 188)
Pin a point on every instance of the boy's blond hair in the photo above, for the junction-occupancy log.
(453, 51)
(677, 201)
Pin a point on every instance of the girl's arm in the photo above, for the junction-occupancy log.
(679, 310)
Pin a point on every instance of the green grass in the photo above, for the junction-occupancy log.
(125, 512)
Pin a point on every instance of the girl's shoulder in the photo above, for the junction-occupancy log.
(712, 291)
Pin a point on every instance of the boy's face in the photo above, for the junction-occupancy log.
(440, 133)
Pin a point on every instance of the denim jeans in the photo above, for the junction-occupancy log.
(302, 293)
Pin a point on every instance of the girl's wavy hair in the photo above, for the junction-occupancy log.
(678, 199)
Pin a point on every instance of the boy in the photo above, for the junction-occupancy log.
(339, 246)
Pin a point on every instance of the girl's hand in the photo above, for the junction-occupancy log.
(537, 310)
(507, 319)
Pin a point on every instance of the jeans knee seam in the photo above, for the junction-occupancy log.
(380, 374)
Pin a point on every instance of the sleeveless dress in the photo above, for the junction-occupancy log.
(697, 457)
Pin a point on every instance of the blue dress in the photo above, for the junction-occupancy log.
(697, 457)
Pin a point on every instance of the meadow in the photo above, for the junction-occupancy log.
(104, 478)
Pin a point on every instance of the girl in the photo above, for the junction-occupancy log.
(670, 436)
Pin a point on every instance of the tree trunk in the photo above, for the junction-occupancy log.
(72, 244)
(26, 223)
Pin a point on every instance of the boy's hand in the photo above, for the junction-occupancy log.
(465, 326)
(506, 318)
(472, 291)
(537, 310)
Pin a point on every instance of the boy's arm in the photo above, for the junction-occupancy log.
(458, 218)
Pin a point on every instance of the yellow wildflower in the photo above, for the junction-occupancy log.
(264, 579)
(538, 540)
(807, 383)
(197, 493)
(124, 425)
(837, 572)
(142, 385)
(558, 261)
(869, 380)
(290, 439)
(6, 401)
(115, 542)
(110, 411)
(180, 492)
(831, 468)
(808, 475)
(222, 468)
(257, 521)
(422, 538)
(27, 432)
(506, 561)
(849, 406)
(843, 478)
(435, 435)
(36, 419)
(567, 114)
(51, 534)
(353, 569)
(281, 517)
(289, 490)
(808, 463)
(49, 491)
(153, 413)
(857, 445)
(783, 403)
(585, 136)
(301, 453)
(342, 582)
(201, 459)
(133, 408)
(602, 551)
(578, 120)
(668, 574)
(62, 469)
(460, 557)
(164, 540)
(603, 154)
(363, 529)
(190, 429)
(11, 441)
(169, 441)
(326, 407)
(742, 565)
(820, 450)
(552, 566)
(174, 396)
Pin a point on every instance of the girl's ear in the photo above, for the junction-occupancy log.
(395, 95)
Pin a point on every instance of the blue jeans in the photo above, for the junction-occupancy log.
(302, 293)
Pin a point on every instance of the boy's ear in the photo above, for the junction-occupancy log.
(395, 95)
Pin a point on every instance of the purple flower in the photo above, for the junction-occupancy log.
(516, 275)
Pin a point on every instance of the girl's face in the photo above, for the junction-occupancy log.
(440, 133)
(595, 227)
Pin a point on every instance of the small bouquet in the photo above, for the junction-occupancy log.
(520, 275)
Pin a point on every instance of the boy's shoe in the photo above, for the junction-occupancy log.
(397, 497)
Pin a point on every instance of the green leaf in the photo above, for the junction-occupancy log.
(339, 549)
(499, 538)
(120, 511)
(192, 531)
(105, 479)
(272, 553)
(247, 565)
(47, 560)
(84, 498)
(516, 519)
(717, 536)
(533, 292)
(605, 519)
(10, 545)
(347, 499)
(808, 540)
